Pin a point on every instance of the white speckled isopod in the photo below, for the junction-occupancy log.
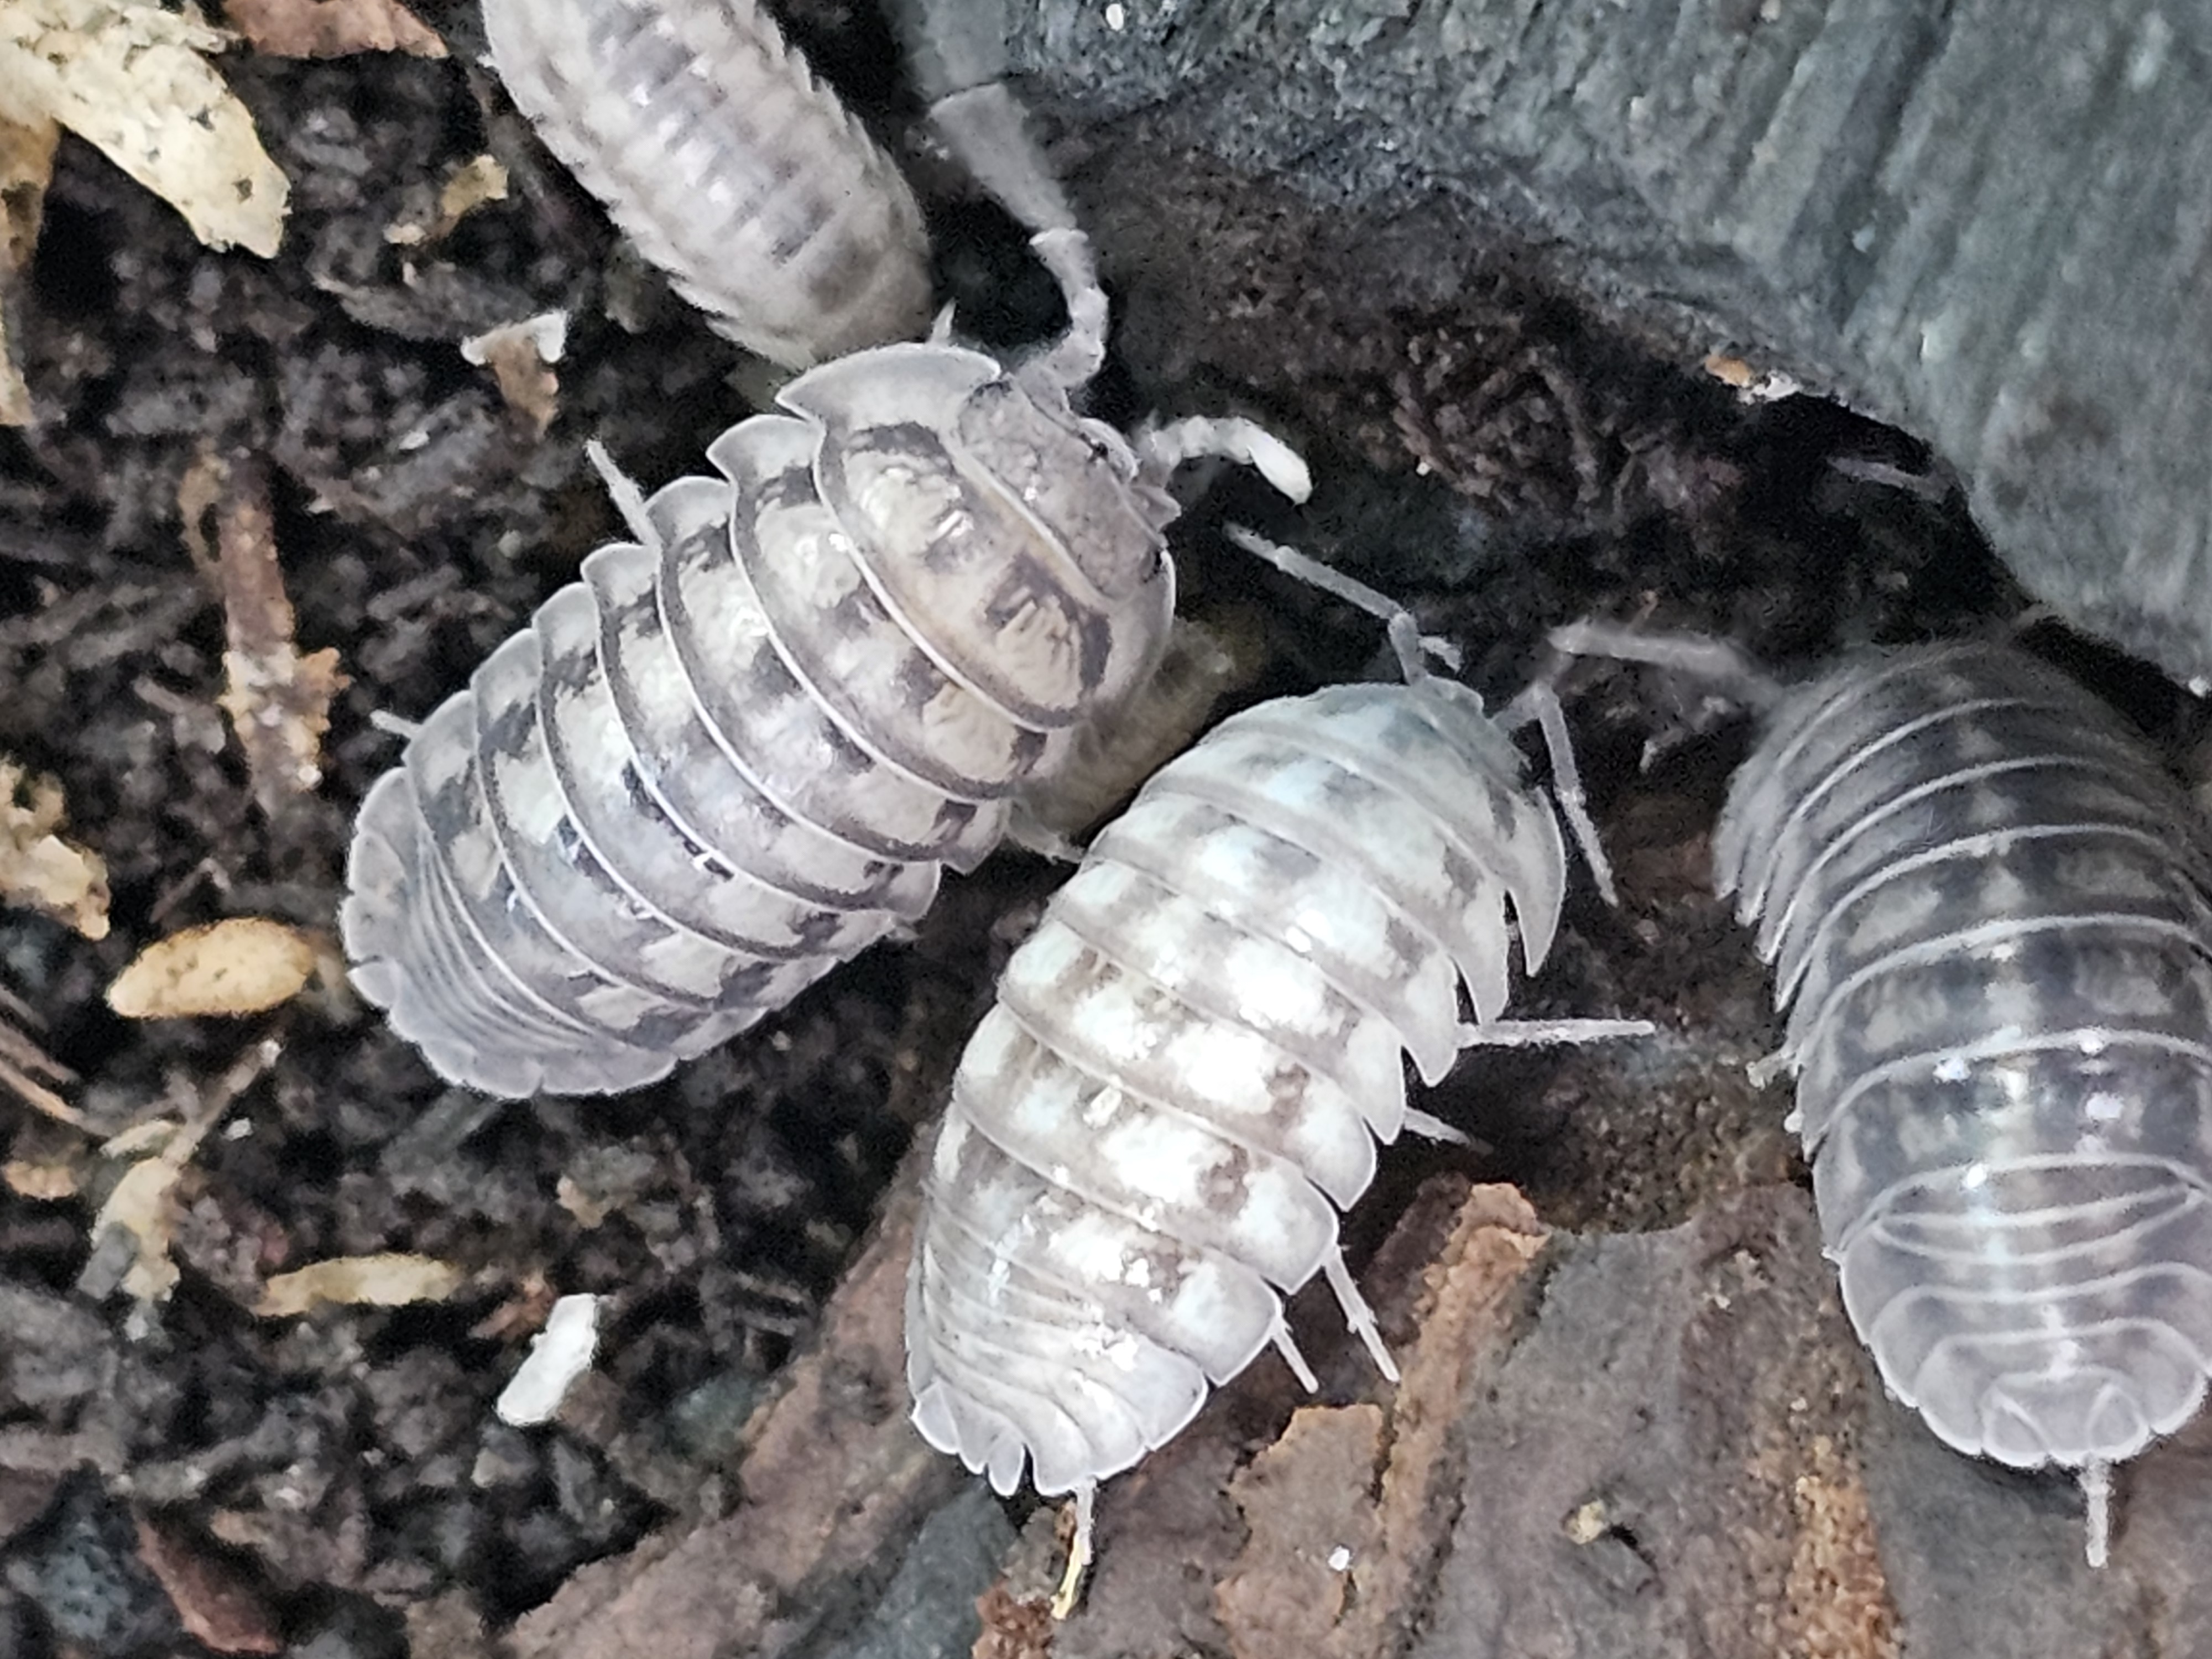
(1193, 1058)
(1989, 909)
(730, 165)
(740, 750)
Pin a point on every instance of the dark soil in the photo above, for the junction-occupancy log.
(330, 1484)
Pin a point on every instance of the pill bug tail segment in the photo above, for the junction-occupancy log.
(1191, 1063)
(1989, 911)
(733, 169)
(2096, 1510)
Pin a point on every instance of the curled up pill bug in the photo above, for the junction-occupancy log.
(742, 747)
(1989, 910)
(731, 166)
(1192, 1059)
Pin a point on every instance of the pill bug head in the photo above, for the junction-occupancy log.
(990, 547)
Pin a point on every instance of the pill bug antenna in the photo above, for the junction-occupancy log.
(623, 491)
(1413, 647)
(2097, 1499)
(1540, 703)
(1162, 449)
(1066, 252)
(1700, 657)
(986, 129)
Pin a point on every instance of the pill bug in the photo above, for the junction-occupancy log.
(733, 169)
(1191, 1061)
(741, 748)
(1986, 905)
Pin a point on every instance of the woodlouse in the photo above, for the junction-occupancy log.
(1192, 1059)
(1989, 909)
(740, 749)
(733, 169)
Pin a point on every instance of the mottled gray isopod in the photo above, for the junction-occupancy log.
(741, 749)
(730, 165)
(1191, 1061)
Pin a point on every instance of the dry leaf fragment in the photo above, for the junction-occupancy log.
(38, 868)
(558, 1355)
(139, 1204)
(389, 1280)
(476, 181)
(278, 700)
(518, 355)
(26, 163)
(241, 966)
(42, 1183)
(128, 78)
(142, 1203)
(333, 28)
(216, 1606)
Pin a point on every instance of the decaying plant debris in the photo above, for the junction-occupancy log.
(246, 1405)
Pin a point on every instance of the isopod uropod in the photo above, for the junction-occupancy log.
(734, 170)
(1989, 909)
(1191, 1061)
(741, 748)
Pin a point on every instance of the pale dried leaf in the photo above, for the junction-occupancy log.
(140, 1205)
(479, 179)
(240, 966)
(390, 1280)
(518, 355)
(38, 868)
(333, 28)
(42, 1183)
(128, 78)
(558, 1355)
(27, 162)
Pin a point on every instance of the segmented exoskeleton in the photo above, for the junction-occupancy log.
(1192, 1059)
(731, 166)
(741, 748)
(1989, 909)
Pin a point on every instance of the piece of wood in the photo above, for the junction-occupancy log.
(1988, 223)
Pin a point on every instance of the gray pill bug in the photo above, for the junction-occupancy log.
(1193, 1058)
(1989, 910)
(742, 747)
(733, 169)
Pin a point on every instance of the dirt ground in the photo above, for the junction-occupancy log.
(182, 1474)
